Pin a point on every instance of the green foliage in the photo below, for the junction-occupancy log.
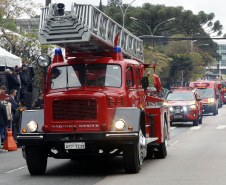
(101, 6)
(153, 55)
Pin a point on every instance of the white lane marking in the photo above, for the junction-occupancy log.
(221, 127)
(196, 127)
(17, 169)
(174, 143)
(172, 128)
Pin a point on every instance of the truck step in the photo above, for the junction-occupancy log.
(150, 140)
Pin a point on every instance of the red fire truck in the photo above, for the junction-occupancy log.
(223, 88)
(96, 99)
(208, 91)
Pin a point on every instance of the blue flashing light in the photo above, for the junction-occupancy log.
(117, 49)
(58, 51)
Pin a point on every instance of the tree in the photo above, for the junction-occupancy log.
(10, 10)
(154, 55)
(101, 6)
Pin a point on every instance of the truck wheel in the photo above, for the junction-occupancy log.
(133, 155)
(36, 158)
(149, 152)
(162, 149)
(215, 111)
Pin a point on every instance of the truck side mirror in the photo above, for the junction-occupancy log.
(145, 82)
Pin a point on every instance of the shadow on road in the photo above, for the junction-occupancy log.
(86, 167)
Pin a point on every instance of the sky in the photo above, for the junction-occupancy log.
(208, 6)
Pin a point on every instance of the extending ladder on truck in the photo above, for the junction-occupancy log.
(87, 29)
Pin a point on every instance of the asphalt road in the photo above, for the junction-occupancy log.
(196, 155)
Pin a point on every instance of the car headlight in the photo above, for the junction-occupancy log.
(211, 100)
(32, 126)
(185, 109)
(120, 124)
(44, 61)
(193, 107)
(171, 109)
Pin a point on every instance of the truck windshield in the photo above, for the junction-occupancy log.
(180, 96)
(96, 75)
(206, 93)
(103, 75)
(223, 85)
(68, 76)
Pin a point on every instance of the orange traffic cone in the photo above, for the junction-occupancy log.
(10, 144)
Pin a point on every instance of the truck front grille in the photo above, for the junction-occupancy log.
(74, 109)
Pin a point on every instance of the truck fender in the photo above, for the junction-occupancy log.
(130, 115)
(32, 115)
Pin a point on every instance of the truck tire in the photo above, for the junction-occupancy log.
(134, 154)
(162, 149)
(215, 111)
(36, 158)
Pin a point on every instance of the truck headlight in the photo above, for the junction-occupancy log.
(211, 100)
(120, 124)
(193, 107)
(44, 61)
(32, 126)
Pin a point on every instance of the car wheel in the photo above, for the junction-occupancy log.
(134, 154)
(196, 122)
(36, 158)
(200, 120)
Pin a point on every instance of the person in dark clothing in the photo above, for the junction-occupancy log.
(30, 76)
(24, 83)
(14, 82)
(14, 104)
(38, 103)
(3, 79)
(3, 120)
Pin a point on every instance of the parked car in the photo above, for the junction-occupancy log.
(185, 105)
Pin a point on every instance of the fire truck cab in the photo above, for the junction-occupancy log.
(96, 99)
(209, 93)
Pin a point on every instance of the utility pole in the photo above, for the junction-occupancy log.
(48, 2)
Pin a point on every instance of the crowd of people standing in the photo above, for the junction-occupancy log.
(14, 84)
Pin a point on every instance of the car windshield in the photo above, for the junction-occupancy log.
(94, 75)
(180, 96)
(206, 93)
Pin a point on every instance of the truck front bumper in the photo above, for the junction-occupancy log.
(97, 137)
(209, 108)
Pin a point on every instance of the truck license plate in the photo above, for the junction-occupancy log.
(177, 116)
(74, 145)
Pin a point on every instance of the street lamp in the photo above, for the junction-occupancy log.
(193, 48)
(152, 33)
(124, 13)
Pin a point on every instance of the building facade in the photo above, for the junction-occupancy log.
(218, 69)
